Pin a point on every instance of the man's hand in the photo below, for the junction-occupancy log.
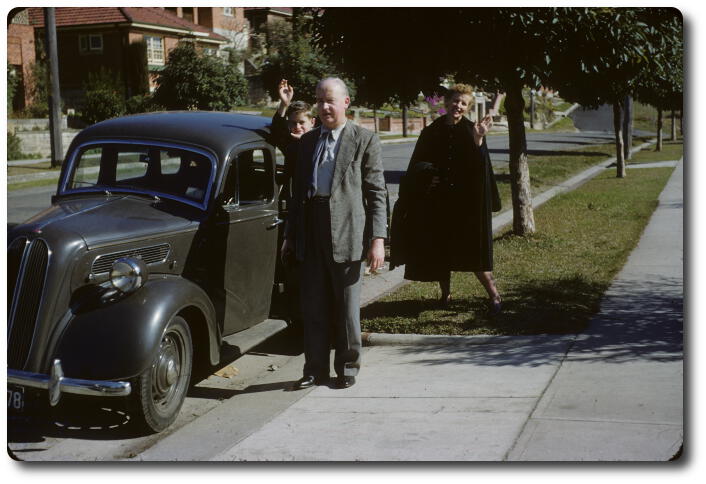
(376, 255)
(286, 92)
(481, 128)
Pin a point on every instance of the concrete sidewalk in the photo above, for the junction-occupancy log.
(614, 392)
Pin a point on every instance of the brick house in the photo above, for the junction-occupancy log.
(261, 19)
(93, 38)
(229, 22)
(20, 55)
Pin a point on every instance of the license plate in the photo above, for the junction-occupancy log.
(15, 398)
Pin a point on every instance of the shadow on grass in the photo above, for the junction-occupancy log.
(554, 306)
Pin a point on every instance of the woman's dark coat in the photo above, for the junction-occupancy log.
(448, 227)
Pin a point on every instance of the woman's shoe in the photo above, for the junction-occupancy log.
(495, 307)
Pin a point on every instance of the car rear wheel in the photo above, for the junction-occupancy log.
(161, 389)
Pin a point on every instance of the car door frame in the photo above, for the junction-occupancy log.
(251, 247)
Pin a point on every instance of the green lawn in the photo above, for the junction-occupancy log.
(552, 281)
(671, 150)
(551, 168)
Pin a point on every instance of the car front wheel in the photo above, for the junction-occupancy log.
(161, 389)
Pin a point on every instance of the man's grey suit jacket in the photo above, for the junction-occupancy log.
(358, 203)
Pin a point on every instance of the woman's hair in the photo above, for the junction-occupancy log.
(298, 107)
(458, 89)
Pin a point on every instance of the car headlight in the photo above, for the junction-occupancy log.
(128, 274)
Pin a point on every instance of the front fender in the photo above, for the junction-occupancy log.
(118, 340)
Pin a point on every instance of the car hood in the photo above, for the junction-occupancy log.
(109, 219)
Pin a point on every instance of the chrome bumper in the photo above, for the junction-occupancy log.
(56, 383)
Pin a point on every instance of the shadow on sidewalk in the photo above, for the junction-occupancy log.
(637, 321)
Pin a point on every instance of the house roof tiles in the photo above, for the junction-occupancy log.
(73, 16)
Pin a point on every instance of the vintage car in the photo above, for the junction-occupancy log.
(159, 247)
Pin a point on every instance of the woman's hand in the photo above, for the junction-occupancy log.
(480, 129)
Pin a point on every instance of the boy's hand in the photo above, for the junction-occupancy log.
(286, 92)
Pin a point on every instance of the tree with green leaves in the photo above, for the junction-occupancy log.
(292, 56)
(602, 55)
(192, 80)
(105, 97)
(591, 55)
(662, 86)
(13, 83)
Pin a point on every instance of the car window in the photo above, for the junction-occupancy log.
(254, 177)
(249, 179)
(152, 169)
(131, 164)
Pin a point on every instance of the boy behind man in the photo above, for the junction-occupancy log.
(289, 123)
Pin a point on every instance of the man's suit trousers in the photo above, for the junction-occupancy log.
(330, 299)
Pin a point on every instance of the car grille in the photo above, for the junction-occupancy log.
(150, 255)
(27, 268)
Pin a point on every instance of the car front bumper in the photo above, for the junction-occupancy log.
(56, 384)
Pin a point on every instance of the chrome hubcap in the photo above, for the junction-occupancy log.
(166, 370)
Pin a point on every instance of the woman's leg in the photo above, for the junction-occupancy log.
(445, 285)
(486, 278)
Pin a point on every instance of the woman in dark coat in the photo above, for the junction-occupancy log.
(445, 202)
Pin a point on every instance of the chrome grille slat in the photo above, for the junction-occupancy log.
(26, 302)
(15, 251)
(150, 255)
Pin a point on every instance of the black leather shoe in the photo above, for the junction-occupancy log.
(308, 381)
(345, 381)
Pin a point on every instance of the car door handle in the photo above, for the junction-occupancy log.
(274, 224)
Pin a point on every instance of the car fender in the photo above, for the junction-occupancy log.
(118, 340)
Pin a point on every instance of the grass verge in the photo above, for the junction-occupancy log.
(32, 184)
(552, 281)
(549, 168)
(671, 150)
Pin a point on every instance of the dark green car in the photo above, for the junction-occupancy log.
(159, 247)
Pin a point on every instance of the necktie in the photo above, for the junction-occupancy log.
(322, 148)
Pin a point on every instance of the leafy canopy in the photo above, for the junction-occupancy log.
(191, 80)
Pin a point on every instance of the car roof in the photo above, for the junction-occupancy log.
(218, 131)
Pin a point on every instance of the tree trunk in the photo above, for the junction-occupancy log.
(619, 147)
(57, 151)
(674, 126)
(404, 121)
(627, 128)
(660, 123)
(522, 213)
(375, 119)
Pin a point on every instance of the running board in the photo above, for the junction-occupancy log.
(245, 340)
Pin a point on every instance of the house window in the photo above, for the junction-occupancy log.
(155, 50)
(228, 11)
(90, 43)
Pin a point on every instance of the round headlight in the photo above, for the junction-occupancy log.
(128, 274)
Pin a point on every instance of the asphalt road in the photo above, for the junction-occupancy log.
(23, 204)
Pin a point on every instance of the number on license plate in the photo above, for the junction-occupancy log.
(15, 399)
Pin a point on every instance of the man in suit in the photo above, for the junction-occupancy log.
(337, 218)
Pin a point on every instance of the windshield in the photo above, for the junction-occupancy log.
(152, 169)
